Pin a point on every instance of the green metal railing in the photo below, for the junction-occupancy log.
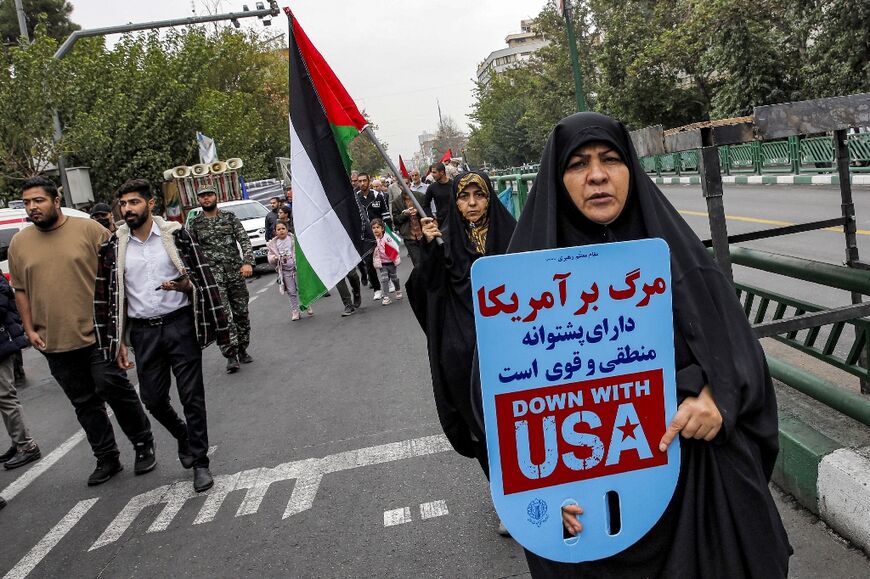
(794, 155)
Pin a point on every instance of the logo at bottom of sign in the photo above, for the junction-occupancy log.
(537, 511)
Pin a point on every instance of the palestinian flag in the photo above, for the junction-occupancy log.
(332, 232)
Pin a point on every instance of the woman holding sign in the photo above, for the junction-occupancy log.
(439, 290)
(721, 521)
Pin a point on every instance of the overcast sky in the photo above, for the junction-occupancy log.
(395, 58)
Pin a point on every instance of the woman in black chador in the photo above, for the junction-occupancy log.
(439, 290)
(721, 521)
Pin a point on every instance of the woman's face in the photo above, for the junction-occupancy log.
(283, 214)
(597, 179)
(472, 202)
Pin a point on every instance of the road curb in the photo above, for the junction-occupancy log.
(766, 180)
(830, 480)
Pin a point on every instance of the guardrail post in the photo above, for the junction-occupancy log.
(841, 149)
(711, 185)
(755, 147)
(794, 154)
(725, 152)
(522, 190)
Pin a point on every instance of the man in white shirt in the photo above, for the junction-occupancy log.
(153, 262)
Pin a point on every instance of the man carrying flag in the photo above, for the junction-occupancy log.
(333, 234)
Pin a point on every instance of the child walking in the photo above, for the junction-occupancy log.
(386, 258)
(282, 258)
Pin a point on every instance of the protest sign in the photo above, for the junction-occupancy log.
(576, 351)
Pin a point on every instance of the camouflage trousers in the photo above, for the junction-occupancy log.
(234, 297)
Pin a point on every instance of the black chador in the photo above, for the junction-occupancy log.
(722, 521)
(439, 290)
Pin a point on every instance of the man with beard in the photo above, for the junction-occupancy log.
(272, 217)
(439, 193)
(220, 234)
(154, 279)
(53, 266)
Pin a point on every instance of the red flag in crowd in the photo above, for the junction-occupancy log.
(447, 156)
(403, 169)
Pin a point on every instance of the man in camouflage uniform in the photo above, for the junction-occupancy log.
(218, 232)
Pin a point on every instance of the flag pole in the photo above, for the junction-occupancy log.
(405, 189)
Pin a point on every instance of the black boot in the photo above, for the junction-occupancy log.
(244, 357)
(202, 479)
(146, 458)
(106, 469)
(232, 365)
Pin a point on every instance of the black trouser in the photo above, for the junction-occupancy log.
(353, 278)
(413, 246)
(372, 272)
(89, 381)
(161, 344)
(363, 272)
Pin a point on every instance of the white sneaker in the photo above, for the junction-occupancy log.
(392, 288)
(386, 301)
(378, 295)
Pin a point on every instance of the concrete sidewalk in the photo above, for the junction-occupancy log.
(857, 180)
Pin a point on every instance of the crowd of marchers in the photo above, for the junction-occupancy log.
(167, 292)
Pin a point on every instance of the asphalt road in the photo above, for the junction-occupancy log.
(330, 463)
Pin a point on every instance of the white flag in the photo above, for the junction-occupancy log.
(207, 149)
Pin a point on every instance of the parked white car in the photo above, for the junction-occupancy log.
(252, 214)
(14, 220)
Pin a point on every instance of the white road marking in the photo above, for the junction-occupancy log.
(47, 461)
(252, 299)
(265, 289)
(255, 482)
(41, 466)
(397, 517)
(50, 540)
(433, 509)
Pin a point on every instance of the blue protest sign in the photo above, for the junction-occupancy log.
(576, 350)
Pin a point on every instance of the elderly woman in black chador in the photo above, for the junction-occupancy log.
(721, 521)
(440, 294)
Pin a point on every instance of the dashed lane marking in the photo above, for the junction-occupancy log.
(433, 509)
(397, 517)
(263, 290)
(307, 474)
(29, 562)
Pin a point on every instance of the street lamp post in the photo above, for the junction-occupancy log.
(579, 93)
(262, 13)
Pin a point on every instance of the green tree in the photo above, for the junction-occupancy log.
(28, 92)
(449, 137)
(838, 60)
(365, 155)
(133, 111)
(54, 14)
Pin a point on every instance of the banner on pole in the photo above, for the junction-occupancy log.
(576, 351)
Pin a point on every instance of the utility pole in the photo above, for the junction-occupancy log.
(22, 21)
(264, 14)
(440, 121)
(579, 93)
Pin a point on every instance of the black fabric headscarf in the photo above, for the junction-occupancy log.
(439, 290)
(722, 521)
